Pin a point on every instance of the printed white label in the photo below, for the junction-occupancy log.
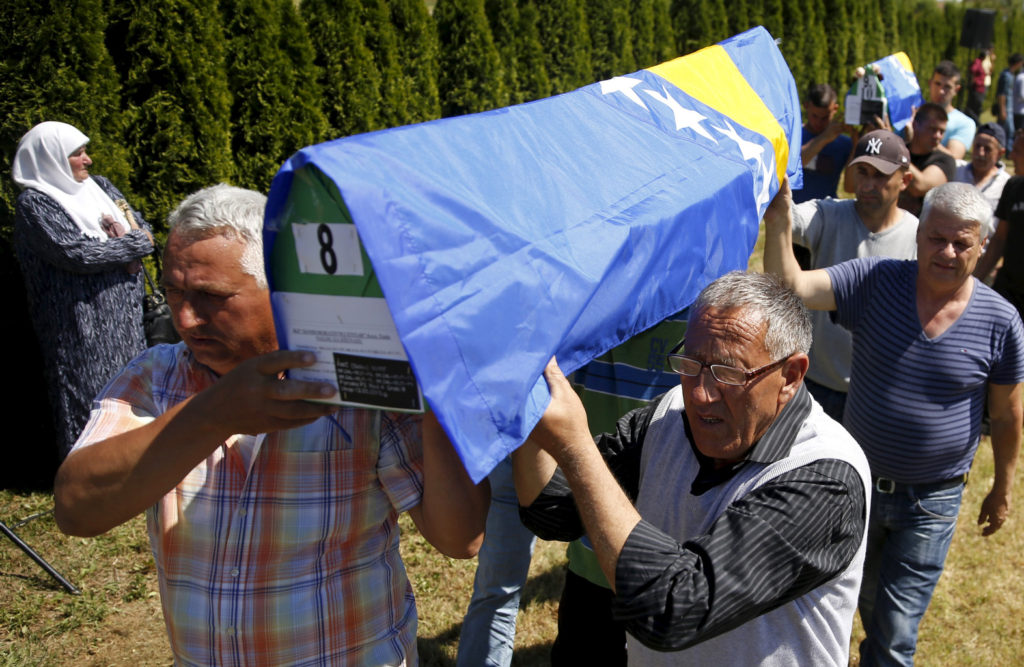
(330, 249)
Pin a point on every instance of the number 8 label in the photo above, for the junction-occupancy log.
(327, 248)
(327, 257)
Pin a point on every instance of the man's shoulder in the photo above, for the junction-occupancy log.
(958, 117)
(993, 305)
(829, 208)
(857, 271)
(964, 174)
(941, 159)
(165, 372)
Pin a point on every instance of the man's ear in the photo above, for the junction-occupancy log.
(907, 177)
(793, 372)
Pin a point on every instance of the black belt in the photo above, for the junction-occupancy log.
(886, 485)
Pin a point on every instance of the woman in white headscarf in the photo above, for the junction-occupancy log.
(79, 245)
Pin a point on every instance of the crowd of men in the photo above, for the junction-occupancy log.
(807, 462)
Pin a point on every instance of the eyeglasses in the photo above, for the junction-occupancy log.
(730, 375)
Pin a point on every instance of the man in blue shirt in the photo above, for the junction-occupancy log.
(825, 146)
(930, 344)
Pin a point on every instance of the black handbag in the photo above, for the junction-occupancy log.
(156, 314)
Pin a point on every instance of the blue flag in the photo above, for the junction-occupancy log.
(902, 91)
(558, 227)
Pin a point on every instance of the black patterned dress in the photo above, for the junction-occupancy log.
(86, 307)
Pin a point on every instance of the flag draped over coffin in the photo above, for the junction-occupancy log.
(559, 227)
(902, 91)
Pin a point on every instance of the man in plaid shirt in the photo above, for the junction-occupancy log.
(274, 548)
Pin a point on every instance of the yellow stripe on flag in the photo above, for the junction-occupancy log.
(903, 59)
(711, 76)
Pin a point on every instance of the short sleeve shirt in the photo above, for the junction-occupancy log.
(280, 548)
(915, 403)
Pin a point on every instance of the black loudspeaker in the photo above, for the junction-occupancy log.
(978, 29)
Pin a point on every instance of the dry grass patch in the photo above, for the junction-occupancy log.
(973, 620)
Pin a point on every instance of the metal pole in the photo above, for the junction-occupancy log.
(68, 586)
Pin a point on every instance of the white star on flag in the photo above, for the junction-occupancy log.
(751, 150)
(685, 118)
(624, 85)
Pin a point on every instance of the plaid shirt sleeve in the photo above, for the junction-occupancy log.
(400, 465)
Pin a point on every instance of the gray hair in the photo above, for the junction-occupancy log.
(788, 321)
(228, 211)
(962, 201)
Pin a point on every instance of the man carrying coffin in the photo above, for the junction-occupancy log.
(728, 515)
(281, 546)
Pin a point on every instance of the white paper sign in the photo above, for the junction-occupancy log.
(357, 347)
(328, 249)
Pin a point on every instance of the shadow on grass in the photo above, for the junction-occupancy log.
(545, 587)
(434, 651)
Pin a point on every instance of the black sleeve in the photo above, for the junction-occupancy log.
(947, 163)
(778, 542)
(553, 515)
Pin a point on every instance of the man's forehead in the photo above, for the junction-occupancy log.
(943, 222)
(206, 258)
(986, 140)
(735, 326)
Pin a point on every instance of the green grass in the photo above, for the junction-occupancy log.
(973, 620)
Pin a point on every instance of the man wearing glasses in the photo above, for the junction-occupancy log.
(930, 343)
(728, 514)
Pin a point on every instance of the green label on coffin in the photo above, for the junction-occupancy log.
(326, 299)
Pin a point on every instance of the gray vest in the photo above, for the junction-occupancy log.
(815, 628)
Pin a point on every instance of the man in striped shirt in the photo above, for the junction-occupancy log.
(274, 548)
(728, 515)
(930, 343)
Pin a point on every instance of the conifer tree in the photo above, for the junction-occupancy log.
(534, 82)
(503, 19)
(417, 44)
(350, 81)
(771, 19)
(837, 48)
(176, 97)
(303, 81)
(740, 16)
(566, 42)
(382, 42)
(471, 78)
(611, 39)
(889, 17)
(273, 111)
(699, 23)
(665, 47)
(645, 52)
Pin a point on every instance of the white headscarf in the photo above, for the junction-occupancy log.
(41, 163)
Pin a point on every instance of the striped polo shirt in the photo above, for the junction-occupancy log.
(915, 403)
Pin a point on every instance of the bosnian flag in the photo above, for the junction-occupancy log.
(559, 227)
(902, 91)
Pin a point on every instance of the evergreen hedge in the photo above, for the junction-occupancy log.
(183, 93)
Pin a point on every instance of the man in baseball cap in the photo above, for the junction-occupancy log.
(835, 230)
(985, 171)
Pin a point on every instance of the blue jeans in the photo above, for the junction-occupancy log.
(489, 627)
(909, 533)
